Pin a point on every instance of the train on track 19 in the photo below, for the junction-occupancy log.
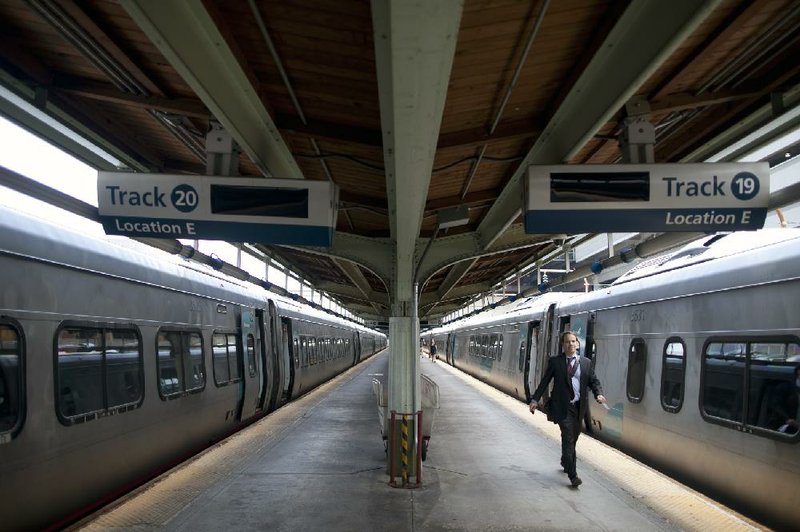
(698, 352)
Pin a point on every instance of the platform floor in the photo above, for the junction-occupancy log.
(318, 463)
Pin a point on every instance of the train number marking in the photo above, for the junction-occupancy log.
(637, 315)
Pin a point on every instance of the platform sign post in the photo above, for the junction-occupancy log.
(269, 211)
(646, 197)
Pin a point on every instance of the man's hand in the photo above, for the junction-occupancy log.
(601, 399)
(533, 406)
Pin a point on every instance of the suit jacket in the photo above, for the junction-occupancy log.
(560, 396)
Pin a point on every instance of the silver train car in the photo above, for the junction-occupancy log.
(115, 366)
(698, 353)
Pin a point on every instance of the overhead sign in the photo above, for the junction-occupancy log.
(269, 211)
(605, 198)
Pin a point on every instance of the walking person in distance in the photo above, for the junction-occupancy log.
(572, 376)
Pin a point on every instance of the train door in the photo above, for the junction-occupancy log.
(288, 357)
(450, 347)
(263, 353)
(277, 370)
(356, 348)
(528, 348)
(546, 330)
(563, 325)
(248, 390)
(578, 324)
(582, 325)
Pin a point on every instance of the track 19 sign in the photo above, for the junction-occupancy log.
(646, 197)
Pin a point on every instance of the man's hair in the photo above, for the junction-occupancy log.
(565, 333)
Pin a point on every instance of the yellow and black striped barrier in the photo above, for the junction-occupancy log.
(410, 456)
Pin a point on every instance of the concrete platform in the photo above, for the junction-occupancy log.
(319, 464)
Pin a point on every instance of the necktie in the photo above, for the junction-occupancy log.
(571, 367)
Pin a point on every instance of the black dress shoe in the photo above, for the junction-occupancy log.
(576, 481)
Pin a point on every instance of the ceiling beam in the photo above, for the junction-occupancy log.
(374, 254)
(199, 53)
(517, 129)
(465, 248)
(681, 101)
(415, 44)
(465, 291)
(353, 272)
(645, 35)
(378, 302)
(109, 93)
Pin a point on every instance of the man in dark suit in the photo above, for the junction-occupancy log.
(571, 374)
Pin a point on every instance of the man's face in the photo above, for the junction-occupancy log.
(570, 344)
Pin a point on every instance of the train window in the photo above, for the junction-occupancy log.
(723, 380)
(673, 371)
(637, 369)
(219, 357)
(180, 363)
(12, 397)
(499, 347)
(753, 383)
(303, 352)
(227, 358)
(195, 368)
(591, 349)
(773, 377)
(99, 371)
(521, 352)
(251, 354)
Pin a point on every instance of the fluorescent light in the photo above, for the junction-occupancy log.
(754, 138)
(46, 119)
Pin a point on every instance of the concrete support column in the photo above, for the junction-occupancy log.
(404, 383)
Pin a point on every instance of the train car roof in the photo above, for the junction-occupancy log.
(292, 309)
(518, 311)
(27, 236)
(737, 260)
(709, 248)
